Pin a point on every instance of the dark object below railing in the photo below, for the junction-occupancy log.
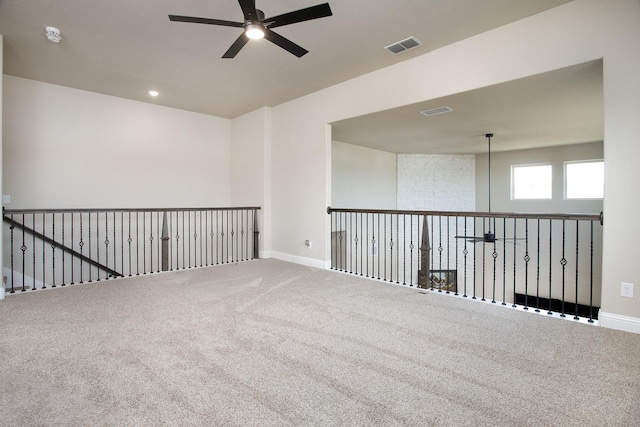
(59, 247)
(478, 255)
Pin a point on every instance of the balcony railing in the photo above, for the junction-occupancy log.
(57, 247)
(541, 262)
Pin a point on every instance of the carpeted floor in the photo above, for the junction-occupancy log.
(271, 343)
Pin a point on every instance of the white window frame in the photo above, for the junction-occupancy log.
(566, 179)
(513, 181)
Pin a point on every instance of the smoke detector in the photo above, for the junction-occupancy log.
(53, 34)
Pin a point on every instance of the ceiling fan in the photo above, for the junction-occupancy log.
(256, 26)
(489, 236)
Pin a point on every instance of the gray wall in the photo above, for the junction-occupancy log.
(501, 163)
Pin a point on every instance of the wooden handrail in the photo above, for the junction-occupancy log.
(566, 216)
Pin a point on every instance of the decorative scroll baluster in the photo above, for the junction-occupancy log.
(465, 252)
(526, 264)
(563, 263)
(538, 270)
(11, 228)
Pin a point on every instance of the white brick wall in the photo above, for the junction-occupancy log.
(440, 183)
(436, 182)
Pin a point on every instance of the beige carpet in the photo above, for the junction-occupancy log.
(270, 343)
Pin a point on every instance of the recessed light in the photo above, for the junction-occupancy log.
(154, 93)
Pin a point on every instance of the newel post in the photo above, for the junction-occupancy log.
(165, 243)
(425, 250)
(256, 236)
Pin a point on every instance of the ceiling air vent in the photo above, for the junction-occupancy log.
(403, 45)
(437, 110)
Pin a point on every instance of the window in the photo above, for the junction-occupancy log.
(584, 180)
(531, 182)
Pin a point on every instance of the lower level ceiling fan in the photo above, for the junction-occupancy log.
(489, 236)
(256, 26)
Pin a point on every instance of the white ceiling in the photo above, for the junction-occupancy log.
(560, 107)
(125, 48)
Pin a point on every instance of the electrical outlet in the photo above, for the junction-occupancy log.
(626, 290)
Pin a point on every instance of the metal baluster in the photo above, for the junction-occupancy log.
(494, 255)
(115, 260)
(591, 278)
(33, 252)
(504, 262)
(129, 240)
(106, 243)
(369, 248)
(465, 252)
(475, 258)
(211, 234)
(378, 251)
(349, 247)
(411, 254)
(121, 241)
(44, 253)
(385, 247)
(144, 242)
(217, 234)
(550, 263)
(456, 240)
(364, 241)
(448, 252)
(11, 228)
(199, 232)
(97, 242)
(390, 247)
(23, 248)
(137, 244)
(484, 258)
(81, 244)
(563, 262)
(397, 243)
(53, 250)
(404, 250)
(356, 242)
(515, 223)
(63, 269)
(576, 317)
(185, 238)
(526, 263)
(538, 271)
(440, 249)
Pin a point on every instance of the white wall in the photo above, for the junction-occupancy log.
(362, 178)
(436, 182)
(251, 168)
(574, 33)
(68, 148)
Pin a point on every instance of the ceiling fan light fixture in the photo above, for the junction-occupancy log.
(254, 31)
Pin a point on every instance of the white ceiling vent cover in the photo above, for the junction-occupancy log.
(437, 110)
(403, 45)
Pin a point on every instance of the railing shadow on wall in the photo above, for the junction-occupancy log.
(48, 248)
(546, 263)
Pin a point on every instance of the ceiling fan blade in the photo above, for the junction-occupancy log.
(249, 10)
(236, 46)
(195, 20)
(307, 14)
(284, 43)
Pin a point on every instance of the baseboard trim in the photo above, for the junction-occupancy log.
(619, 322)
(309, 262)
